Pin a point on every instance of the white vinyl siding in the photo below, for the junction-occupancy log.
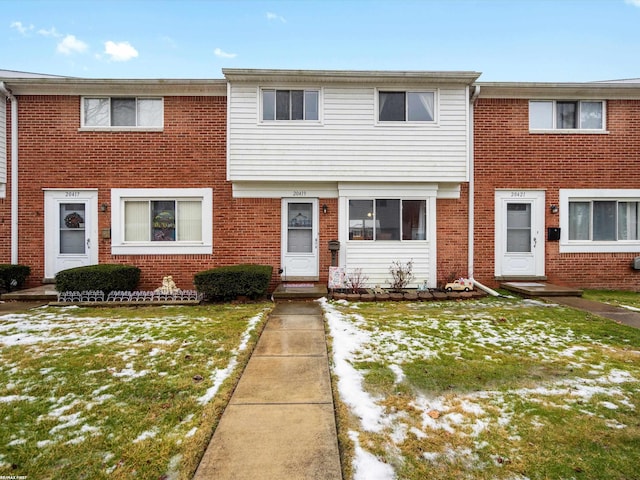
(348, 143)
(3, 147)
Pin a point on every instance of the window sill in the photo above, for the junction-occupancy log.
(600, 247)
(569, 131)
(121, 129)
(154, 249)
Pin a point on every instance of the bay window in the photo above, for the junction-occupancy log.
(387, 219)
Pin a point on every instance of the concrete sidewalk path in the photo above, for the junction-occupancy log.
(617, 314)
(280, 422)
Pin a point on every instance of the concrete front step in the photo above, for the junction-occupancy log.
(299, 291)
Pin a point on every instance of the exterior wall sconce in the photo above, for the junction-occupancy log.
(104, 207)
(325, 209)
(553, 209)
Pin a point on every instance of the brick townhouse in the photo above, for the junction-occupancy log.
(557, 183)
(269, 166)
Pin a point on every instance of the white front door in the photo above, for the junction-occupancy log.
(71, 229)
(519, 234)
(299, 239)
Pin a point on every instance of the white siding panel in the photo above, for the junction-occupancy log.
(375, 259)
(3, 146)
(347, 144)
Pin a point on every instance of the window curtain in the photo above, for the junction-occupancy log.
(150, 112)
(427, 100)
(136, 221)
(579, 220)
(628, 221)
(190, 221)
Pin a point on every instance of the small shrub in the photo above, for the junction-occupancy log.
(356, 280)
(227, 283)
(105, 277)
(402, 275)
(12, 277)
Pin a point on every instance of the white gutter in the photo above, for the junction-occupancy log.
(485, 288)
(14, 171)
(471, 193)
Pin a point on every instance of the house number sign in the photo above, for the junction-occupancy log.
(71, 194)
(299, 193)
(518, 194)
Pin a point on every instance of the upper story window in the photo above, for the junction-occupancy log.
(566, 115)
(406, 106)
(387, 219)
(122, 112)
(290, 105)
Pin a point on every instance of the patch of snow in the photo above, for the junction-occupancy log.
(219, 375)
(629, 307)
(367, 466)
(17, 398)
(17, 441)
(397, 371)
(191, 432)
(609, 405)
(146, 435)
(347, 339)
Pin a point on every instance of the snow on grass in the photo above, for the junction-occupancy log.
(77, 380)
(218, 376)
(399, 339)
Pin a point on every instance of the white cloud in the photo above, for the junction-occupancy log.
(52, 32)
(275, 16)
(120, 52)
(635, 3)
(23, 29)
(70, 44)
(219, 53)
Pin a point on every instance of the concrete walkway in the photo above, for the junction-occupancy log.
(617, 314)
(280, 422)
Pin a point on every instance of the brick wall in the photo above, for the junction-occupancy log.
(453, 239)
(189, 153)
(508, 156)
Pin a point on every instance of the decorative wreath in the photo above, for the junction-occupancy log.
(164, 220)
(73, 220)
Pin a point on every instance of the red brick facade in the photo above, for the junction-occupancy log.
(507, 156)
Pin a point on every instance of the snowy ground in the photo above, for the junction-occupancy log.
(83, 391)
(480, 432)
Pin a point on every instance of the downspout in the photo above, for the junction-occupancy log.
(14, 171)
(471, 226)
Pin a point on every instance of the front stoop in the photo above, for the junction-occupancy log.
(541, 289)
(295, 291)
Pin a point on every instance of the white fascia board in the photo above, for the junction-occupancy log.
(565, 91)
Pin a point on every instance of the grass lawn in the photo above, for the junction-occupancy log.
(630, 300)
(117, 393)
(486, 389)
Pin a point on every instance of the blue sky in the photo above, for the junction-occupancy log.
(506, 40)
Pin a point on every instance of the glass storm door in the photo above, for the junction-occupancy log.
(519, 234)
(299, 239)
(70, 230)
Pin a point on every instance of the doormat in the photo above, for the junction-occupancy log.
(299, 285)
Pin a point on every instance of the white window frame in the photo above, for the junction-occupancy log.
(120, 247)
(123, 128)
(555, 129)
(594, 246)
(303, 121)
(400, 225)
(436, 107)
